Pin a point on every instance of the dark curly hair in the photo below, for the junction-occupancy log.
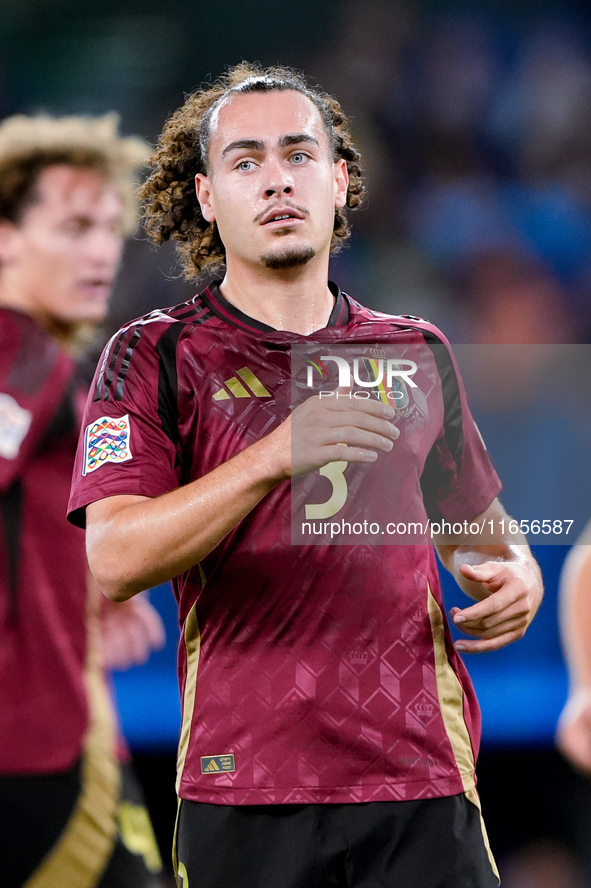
(169, 202)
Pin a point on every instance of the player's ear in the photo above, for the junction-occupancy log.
(203, 189)
(341, 179)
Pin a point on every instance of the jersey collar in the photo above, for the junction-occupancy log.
(212, 297)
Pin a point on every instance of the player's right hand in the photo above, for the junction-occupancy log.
(328, 428)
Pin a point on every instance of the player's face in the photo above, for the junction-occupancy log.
(63, 255)
(273, 186)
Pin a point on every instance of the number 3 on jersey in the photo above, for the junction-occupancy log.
(334, 472)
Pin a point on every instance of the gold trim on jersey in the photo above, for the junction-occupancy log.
(451, 698)
(192, 640)
(472, 796)
(175, 837)
(81, 853)
(254, 386)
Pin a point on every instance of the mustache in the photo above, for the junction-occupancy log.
(284, 204)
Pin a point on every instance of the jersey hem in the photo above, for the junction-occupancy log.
(380, 792)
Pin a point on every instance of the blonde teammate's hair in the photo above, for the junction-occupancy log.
(28, 145)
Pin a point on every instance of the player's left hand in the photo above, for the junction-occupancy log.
(131, 630)
(512, 594)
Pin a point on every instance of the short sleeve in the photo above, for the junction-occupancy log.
(127, 442)
(458, 481)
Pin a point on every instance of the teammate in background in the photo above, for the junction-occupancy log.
(329, 727)
(573, 735)
(70, 814)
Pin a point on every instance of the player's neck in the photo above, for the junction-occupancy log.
(295, 299)
(16, 297)
(70, 335)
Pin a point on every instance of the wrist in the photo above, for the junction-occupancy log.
(265, 462)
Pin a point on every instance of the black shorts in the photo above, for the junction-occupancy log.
(35, 812)
(429, 843)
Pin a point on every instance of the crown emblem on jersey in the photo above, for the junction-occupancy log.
(377, 352)
(424, 709)
(245, 387)
(359, 658)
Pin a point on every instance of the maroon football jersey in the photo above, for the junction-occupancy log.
(308, 673)
(43, 703)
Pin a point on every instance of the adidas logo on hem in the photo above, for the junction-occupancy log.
(214, 764)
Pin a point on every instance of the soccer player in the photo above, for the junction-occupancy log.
(574, 726)
(70, 815)
(329, 727)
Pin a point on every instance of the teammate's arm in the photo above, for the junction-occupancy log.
(503, 577)
(573, 734)
(134, 542)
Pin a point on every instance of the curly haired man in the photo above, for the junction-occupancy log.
(329, 727)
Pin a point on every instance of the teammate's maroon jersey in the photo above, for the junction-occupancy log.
(43, 702)
(308, 673)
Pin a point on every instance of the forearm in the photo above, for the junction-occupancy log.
(575, 616)
(573, 734)
(133, 545)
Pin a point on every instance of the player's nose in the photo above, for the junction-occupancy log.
(104, 247)
(278, 179)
